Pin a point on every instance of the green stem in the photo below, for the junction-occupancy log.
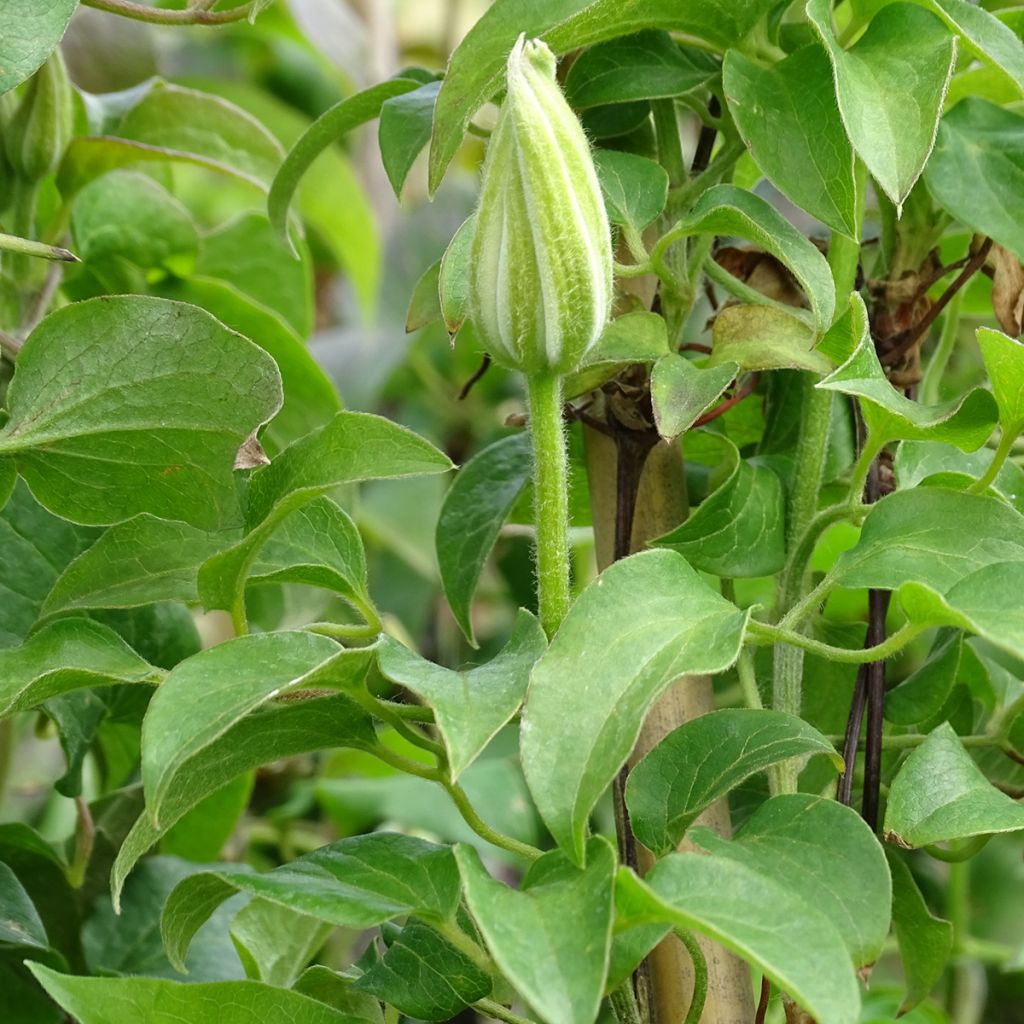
(800, 555)
(943, 351)
(623, 1004)
(909, 740)
(157, 16)
(763, 633)
(85, 838)
(489, 1008)
(405, 764)
(735, 287)
(26, 247)
(1002, 453)
(700, 976)
(482, 829)
(670, 150)
(551, 498)
(861, 469)
(748, 680)
(464, 944)
(383, 710)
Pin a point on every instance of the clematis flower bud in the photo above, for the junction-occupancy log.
(541, 270)
(41, 128)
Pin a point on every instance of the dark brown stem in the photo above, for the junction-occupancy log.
(762, 1006)
(485, 365)
(706, 142)
(852, 738)
(905, 341)
(878, 605)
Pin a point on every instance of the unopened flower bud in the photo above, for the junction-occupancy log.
(541, 271)
(41, 127)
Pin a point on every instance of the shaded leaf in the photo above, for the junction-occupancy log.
(757, 337)
(425, 977)
(639, 337)
(925, 941)
(406, 122)
(703, 760)
(940, 794)
(275, 943)
(925, 691)
(353, 883)
(648, 65)
(641, 624)
(453, 276)
(559, 970)
(474, 510)
(29, 32)
(1004, 361)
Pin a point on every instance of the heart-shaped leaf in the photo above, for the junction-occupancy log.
(641, 624)
(940, 794)
(703, 760)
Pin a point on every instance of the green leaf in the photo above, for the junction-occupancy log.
(35, 546)
(985, 35)
(634, 188)
(127, 1000)
(977, 169)
(310, 399)
(925, 691)
(703, 760)
(204, 696)
(202, 833)
(29, 33)
(177, 124)
(425, 977)
(889, 415)
(8, 478)
(918, 535)
(405, 125)
(903, 61)
(275, 733)
(932, 464)
(353, 446)
(940, 794)
(70, 654)
(789, 120)
(739, 530)
(128, 943)
(759, 337)
(751, 914)
(471, 705)
(474, 510)
(643, 623)
(425, 304)
(925, 941)
(645, 66)
(453, 276)
(137, 562)
(551, 939)
(326, 130)
(152, 427)
(353, 883)
(784, 840)
(336, 990)
(20, 925)
(320, 546)
(638, 337)
(127, 215)
(681, 392)
(1004, 361)
(275, 943)
(243, 252)
(476, 67)
(730, 211)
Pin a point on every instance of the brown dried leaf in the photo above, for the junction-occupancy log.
(1007, 289)
(251, 454)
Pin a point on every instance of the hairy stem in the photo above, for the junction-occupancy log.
(551, 496)
(483, 830)
(196, 15)
(763, 633)
(1002, 453)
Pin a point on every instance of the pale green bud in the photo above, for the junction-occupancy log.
(541, 269)
(41, 128)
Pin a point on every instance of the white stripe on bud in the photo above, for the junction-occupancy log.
(541, 273)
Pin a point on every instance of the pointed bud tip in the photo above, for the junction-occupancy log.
(535, 52)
